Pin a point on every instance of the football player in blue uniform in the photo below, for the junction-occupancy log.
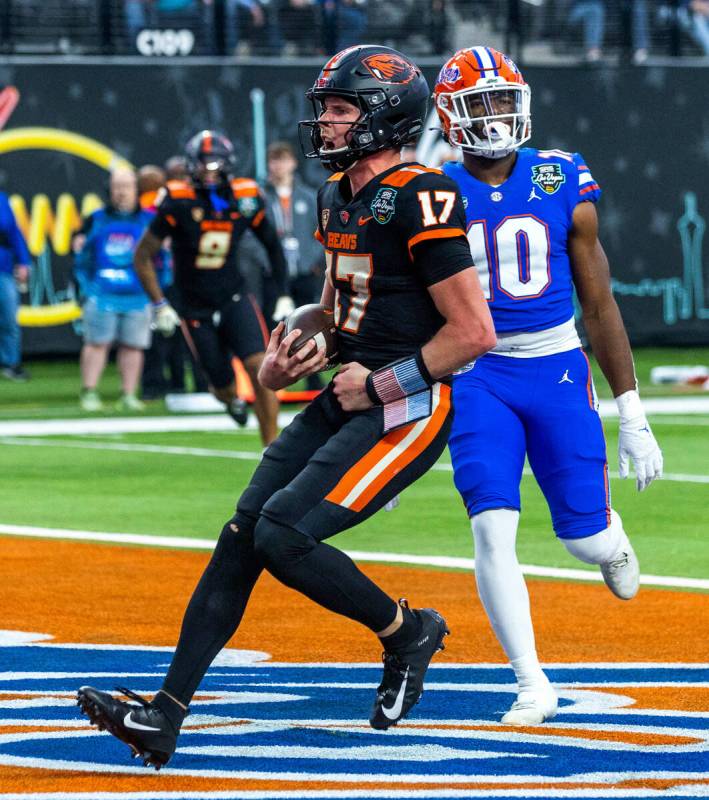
(533, 232)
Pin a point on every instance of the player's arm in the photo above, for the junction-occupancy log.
(468, 331)
(165, 318)
(609, 342)
(144, 257)
(267, 234)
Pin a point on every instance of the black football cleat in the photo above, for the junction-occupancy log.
(144, 728)
(238, 410)
(402, 683)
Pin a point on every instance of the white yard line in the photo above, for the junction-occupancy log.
(239, 455)
(695, 404)
(358, 555)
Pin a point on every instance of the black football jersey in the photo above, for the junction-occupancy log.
(204, 238)
(381, 257)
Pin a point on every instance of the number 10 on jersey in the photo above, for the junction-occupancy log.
(357, 270)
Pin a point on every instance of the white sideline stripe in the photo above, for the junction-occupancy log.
(222, 422)
(450, 562)
(190, 422)
(244, 455)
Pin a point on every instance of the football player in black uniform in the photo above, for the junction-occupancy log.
(204, 219)
(409, 312)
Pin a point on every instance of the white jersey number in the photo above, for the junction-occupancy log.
(521, 246)
(357, 270)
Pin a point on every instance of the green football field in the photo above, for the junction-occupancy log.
(185, 484)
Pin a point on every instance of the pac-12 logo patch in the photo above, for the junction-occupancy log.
(548, 177)
(325, 217)
(383, 206)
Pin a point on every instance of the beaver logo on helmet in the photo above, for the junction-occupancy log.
(389, 91)
(390, 68)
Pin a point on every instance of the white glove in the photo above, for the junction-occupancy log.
(165, 318)
(284, 306)
(636, 442)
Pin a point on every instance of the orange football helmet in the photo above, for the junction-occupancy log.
(483, 103)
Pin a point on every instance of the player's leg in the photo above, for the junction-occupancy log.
(244, 329)
(487, 447)
(346, 481)
(217, 604)
(208, 348)
(567, 452)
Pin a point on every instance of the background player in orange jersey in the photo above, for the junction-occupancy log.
(409, 311)
(204, 219)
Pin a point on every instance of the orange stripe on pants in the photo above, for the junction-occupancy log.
(359, 472)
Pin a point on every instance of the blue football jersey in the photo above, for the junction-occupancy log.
(518, 235)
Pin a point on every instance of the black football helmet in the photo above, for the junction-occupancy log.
(391, 92)
(210, 158)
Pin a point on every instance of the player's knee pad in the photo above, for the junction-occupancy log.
(280, 545)
(599, 547)
(495, 532)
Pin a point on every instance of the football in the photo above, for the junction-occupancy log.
(317, 325)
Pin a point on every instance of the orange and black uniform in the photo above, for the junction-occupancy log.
(329, 469)
(204, 228)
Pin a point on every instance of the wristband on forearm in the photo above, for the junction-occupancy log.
(159, 303)
(399, 379)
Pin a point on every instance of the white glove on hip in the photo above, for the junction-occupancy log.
(636, 442)
(165, 318)
(284, 306)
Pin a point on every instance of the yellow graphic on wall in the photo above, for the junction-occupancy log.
(45, 228)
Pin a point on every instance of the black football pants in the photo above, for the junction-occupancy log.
(328, 471)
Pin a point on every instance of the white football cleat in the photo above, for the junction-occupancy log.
(622, 573)
(532, 707)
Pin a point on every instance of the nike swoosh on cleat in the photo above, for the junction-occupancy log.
(364, 220)
(136, 726)
(395, 711)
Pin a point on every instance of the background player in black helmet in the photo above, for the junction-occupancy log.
(410, 311)
(204, 219)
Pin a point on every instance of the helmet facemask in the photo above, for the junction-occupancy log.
(359, 139)
(490, 121)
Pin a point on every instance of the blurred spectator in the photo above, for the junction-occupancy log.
(14, 274)
(343, 23)
(176, 169)
(292, 205)
(195, 15)
(232, 21)
(298, 21)
(591, 14)
(694, 16)
(115, 307)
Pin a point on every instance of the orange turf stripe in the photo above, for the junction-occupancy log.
(422, 441)
(685, 698)
(256, 221)
(438, 233)
(355, 473)
(25, 780)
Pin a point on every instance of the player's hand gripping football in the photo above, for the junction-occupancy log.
(350, 387)
(279, 369)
